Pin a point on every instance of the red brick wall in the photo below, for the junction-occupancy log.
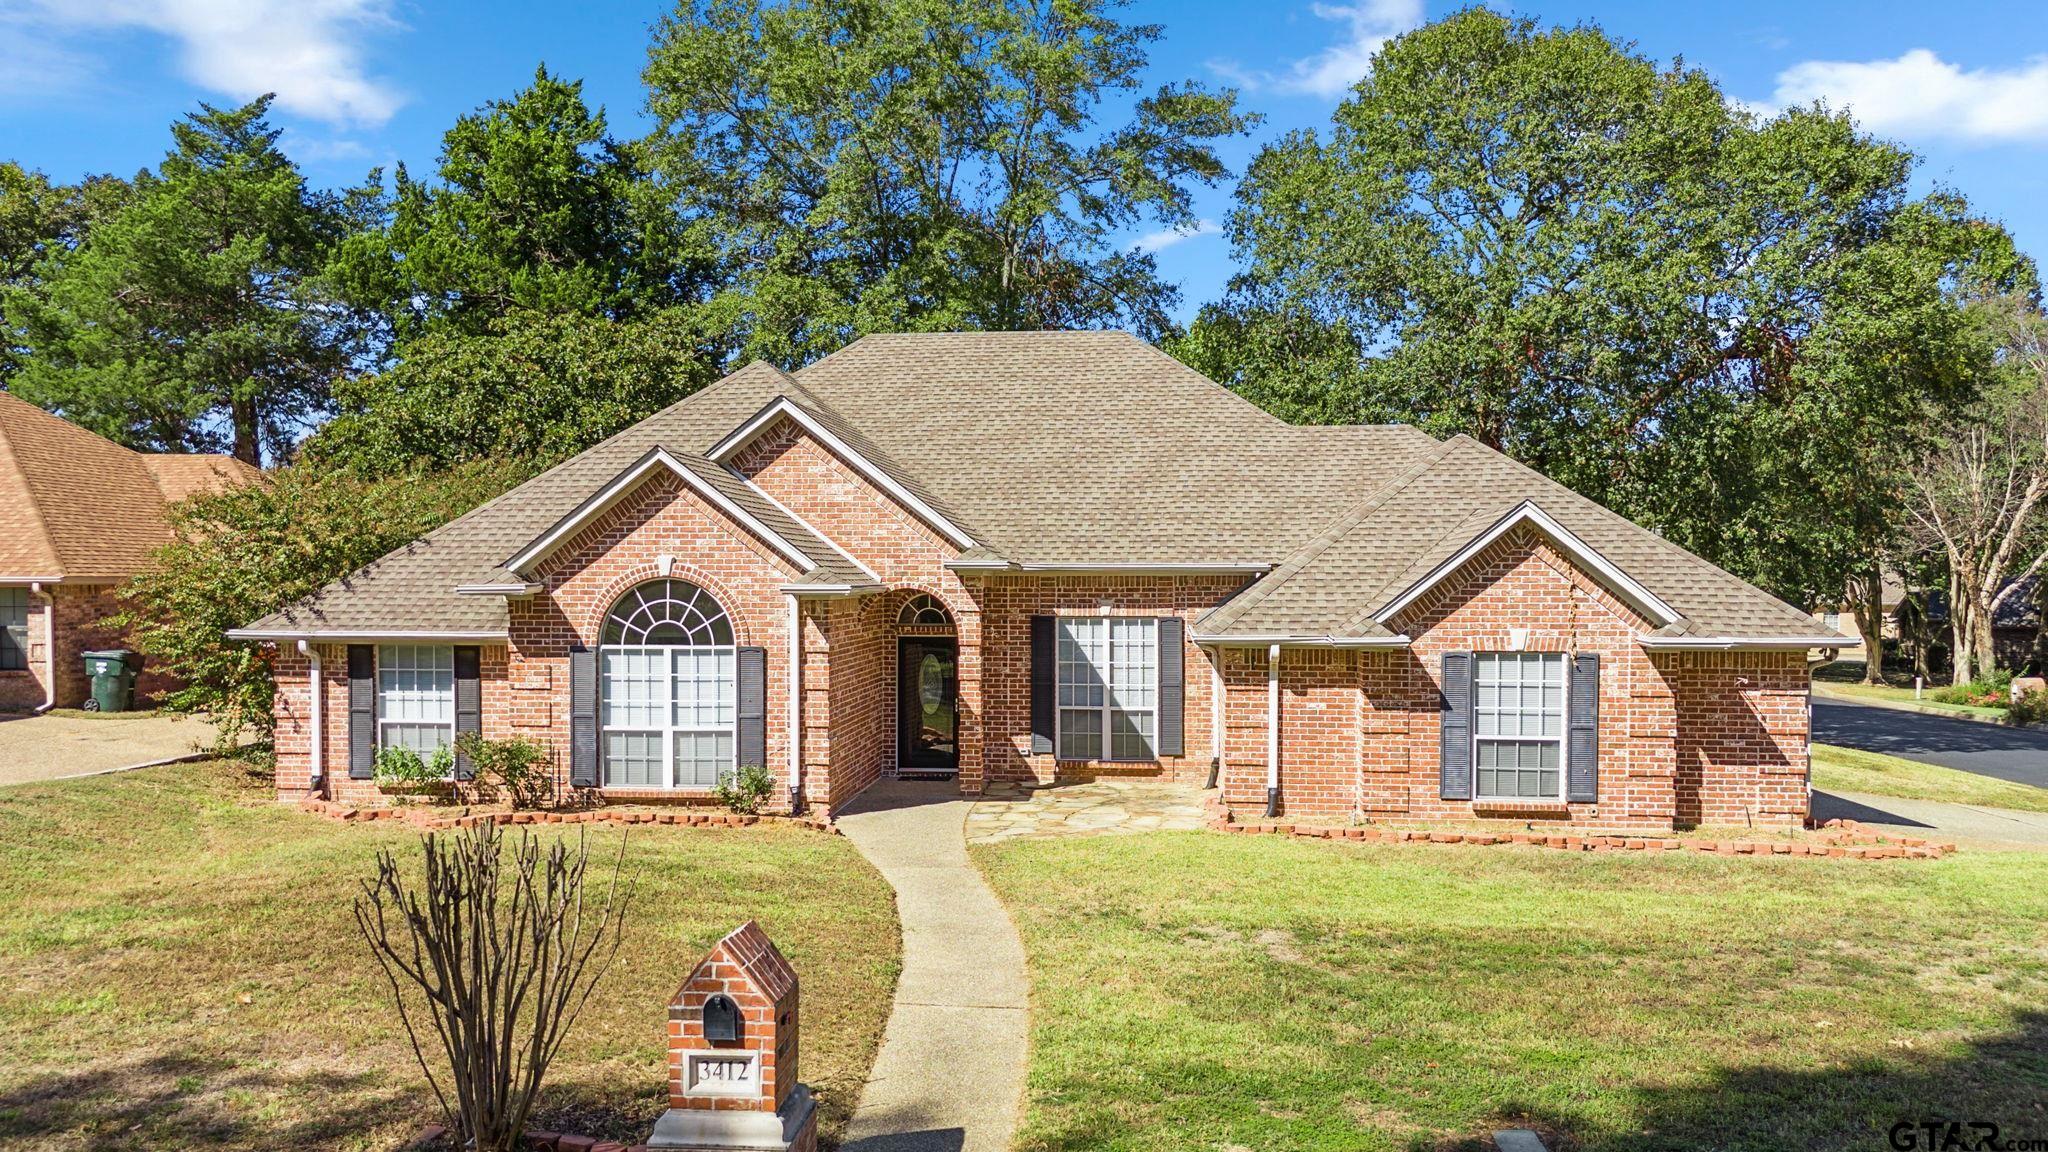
(1007, 604)
(82, 618)
(1739, 744)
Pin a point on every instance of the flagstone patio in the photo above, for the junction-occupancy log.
(1017, 812)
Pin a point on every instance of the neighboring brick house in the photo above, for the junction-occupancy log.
(1039, 556)
(79, 515)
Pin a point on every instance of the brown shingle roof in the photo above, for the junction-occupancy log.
(1078, 448)
(77, 506)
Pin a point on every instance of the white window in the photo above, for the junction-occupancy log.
(669, 678)
(13, 629)
(1518, 725)
(415, 696)
(1108, 687)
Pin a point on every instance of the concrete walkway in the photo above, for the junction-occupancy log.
(1969, 824)
(58, 746)
(950, 1075)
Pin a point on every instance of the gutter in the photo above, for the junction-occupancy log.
(530, 588)
(318, 759)
(365, 636)
(1273, 731)
(1228, 568)
(796, 705)
(1264, 640)
(1736, 643)
(829, 589)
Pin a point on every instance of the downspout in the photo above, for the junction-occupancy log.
(1273, 730)
(49, 646)
(796, 705)
(1215, 716)
(317, 760)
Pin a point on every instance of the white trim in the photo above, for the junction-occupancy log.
(782, 406)
(804, 524)
(1257, 640)
(30, 581)
(1272, 720)
(49, 644)
(377, 681)
(370, 637)
(1725, 643)
(623, 484)
(530, 588)
(829, 589)
(1527, 512)
(1223, 569)
(978, 565)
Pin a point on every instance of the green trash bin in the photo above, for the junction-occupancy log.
(113, 675)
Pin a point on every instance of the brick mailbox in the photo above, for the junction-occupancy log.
(732, 1054)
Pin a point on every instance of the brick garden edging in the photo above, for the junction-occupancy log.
(428, 820)
(1841, 839)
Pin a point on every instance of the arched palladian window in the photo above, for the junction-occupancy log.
(923, 610)
(667, 674)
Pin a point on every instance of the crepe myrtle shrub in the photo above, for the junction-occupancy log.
(491, 950)
(239, 555)
(744, 790)
(519, 770)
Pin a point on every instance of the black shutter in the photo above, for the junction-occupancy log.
(753, 707)
(1044, 675)
(362, 711)
(1172, 688)
(1582, 750)
(582, 717)
(1455, 739)
(469, 704)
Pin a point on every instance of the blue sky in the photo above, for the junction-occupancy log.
(89, 85)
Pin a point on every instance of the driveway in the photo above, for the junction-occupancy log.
(36, 748)
(2016, 754)
(1964, 823)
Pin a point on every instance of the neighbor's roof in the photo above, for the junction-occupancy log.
(1066, 449)
(77, 506)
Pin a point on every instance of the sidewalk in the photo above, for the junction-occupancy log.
(950, 1075)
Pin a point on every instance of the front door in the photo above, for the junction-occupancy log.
(927, 695)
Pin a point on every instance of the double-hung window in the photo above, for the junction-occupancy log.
(13, 629)
(1108, 687)
(415, 696)
(1518, 725)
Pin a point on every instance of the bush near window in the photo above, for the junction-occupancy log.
(237, 556)
(518, 770)
(401, 767)
(745, 790)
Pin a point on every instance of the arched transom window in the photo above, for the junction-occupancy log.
(667, 673)
(924, 611)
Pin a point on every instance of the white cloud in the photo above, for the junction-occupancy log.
(1331, 72)
(1168, 237)
(309, 52)
(1920, 94)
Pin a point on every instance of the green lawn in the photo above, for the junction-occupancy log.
(1844, 678)
(1191, 990)
(183, 970)
(1851, 770)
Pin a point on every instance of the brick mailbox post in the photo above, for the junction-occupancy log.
(732, 1054)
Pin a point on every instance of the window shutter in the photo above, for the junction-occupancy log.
(1455, 740)
(1582, 750)
(1044, 677)
(1172, 688)
(362, 711)
(469, 704)
(753, 707)
(582, 717)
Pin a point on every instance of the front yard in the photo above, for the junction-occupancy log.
(183, 970)
(1191, 990)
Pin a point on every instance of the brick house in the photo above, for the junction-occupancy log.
(79, 515)
(1039, 556)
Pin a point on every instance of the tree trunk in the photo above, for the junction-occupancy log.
(1962, 607)
(1867, 602)
(2038, 659)
(1987, 645)
(248, 432)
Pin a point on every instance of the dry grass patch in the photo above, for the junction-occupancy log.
(184, 970)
